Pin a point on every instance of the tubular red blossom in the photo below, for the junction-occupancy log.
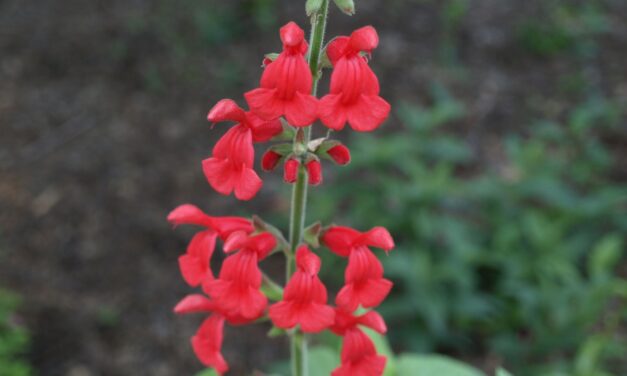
(340, 154)
(305, 299)
(194, 264)
(230, 169)
(207, 343)
(228, 110)
(345, 320)
(354, 92)
(197, 303)
(364, 282)
(314, 170)
(341, 240)
(359, 356)
(290, 170)
(236, 291)
(188, 214)
(270, 160)
(286, 83)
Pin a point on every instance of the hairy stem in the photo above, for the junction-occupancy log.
(298, 345)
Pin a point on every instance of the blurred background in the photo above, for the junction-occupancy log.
(502, 174)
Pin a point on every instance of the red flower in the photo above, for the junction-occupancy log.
(314, 170)
(286, 83)
(270, 159)
(207, 343)
(194, 264)
(290, 170)
(345, 320)
(354, 92)
(231, 166)
(340, 154)
(359, 356)
(364, 282)
(228, 110)
(188, 214)
(305, 299)
(236, 292)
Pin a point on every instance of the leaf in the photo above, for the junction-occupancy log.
(502, 372)
(605, 255)
(429, 365)
(322, 361)
(207, 372)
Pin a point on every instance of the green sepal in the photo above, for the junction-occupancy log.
(288, 131)
(346, 6)
(283, 149)
(276, 332)
(272, 56)
(311, 234)
(271, 289)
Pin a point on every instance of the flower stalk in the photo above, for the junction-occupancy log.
(298, 343)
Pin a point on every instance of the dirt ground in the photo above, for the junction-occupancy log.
(102, 130)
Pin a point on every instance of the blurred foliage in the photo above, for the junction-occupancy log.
(183, 31)
(517, 259)
(564, 26)
(13, 339)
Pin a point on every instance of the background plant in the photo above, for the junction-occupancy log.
(517, 258)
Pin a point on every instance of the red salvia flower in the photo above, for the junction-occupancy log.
(305, 298)
(359, 356)
(236, 291)
(207, 343)
(194, 264)
(290, 170)
(228, 110)
(285, 87)
(354, 92)
(364, 282)
(345, 320)
(188, 214)
(230, 168)
(340, 154)
(314, 170)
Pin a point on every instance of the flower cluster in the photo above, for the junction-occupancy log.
(285, 91)
(281, 107)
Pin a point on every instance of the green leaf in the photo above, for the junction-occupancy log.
(207, 372)
(322, 361)
(605, 255)
(429, 365)
(502, 372)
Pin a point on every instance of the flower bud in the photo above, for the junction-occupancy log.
(269, 58)
(270, 159)
(290, 170)
(314, 169)
(346, 6)
(312, 6)
(340, 154)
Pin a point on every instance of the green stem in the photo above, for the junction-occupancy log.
(298, 345)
